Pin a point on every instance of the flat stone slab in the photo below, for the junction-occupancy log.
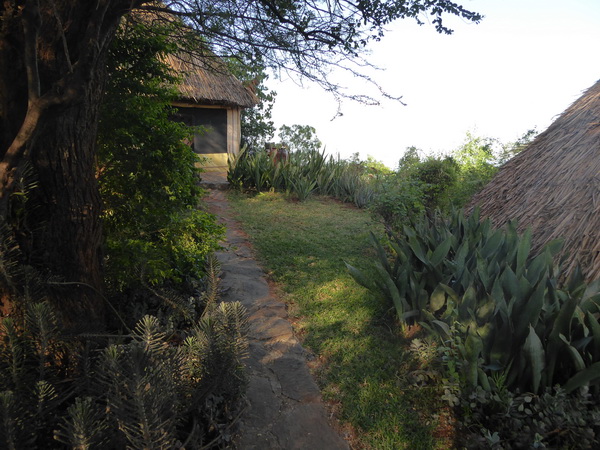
(284, 406)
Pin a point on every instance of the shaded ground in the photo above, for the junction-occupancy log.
(284, 410)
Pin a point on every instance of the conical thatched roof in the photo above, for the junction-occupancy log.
(206, 80)
(553, 186)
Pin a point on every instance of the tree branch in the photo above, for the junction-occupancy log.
(31, 22)
(61, 31)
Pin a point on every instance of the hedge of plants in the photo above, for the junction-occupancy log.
(514, 339)
(418, 184)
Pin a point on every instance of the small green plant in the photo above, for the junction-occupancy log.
(303, 187)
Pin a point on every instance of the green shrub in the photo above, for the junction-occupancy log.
(510, 420)
(147, 175)
(505, 311)
(477, 161)
(437, 175)
(397, 200)
(300, 138)
(141, 391)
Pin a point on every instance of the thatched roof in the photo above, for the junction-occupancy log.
(206, 80)
(553, 186)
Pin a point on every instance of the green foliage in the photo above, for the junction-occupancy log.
(146, 172)
(437, 176)
(397, 200)
(216, 346)
(303, 173)
(433, 178)
(375, 167)
(419, 184)
(506, 325)
(477, 159)
(142, 391)
(139, 391)
(441, 178)
(142, 386)
(261, 171)
(508, 420)
(503, 309)
(257, 126)
(450, 181)
(299, 138)
(31, 366)
(84, 426)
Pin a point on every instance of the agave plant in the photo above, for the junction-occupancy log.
(303, 173)
(504, 308)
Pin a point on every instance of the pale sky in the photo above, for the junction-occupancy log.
(524, 64)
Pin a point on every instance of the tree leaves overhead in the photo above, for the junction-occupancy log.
(308, 37)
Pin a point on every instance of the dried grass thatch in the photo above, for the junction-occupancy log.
(206, 80)
(553, 186)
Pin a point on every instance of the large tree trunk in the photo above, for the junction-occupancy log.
(68, 243)
(52, 55)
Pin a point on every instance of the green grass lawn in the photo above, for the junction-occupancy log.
(360, 352)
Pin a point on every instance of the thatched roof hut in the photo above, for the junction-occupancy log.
(553, 186)
(212, 98)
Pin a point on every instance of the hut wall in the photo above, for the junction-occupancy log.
(234, 122)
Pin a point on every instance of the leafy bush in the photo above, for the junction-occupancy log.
(448, 181)
(510, 420)
(478, 159)
(397, 200)
(147, 174)
(505, 311)
(437, 176)
(299, 138)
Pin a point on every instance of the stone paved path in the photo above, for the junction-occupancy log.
(284, 410)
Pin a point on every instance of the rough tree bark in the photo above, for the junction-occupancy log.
(52, 75)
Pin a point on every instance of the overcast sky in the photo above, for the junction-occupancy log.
(519, 68)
